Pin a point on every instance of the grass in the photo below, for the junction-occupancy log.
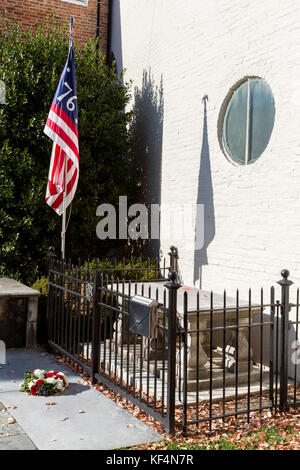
(222, 444)
(263, 437)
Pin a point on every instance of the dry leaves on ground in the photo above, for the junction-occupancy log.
(264, 431)
(11, 420)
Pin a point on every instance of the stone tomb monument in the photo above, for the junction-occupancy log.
(18, 314)
(198, 345)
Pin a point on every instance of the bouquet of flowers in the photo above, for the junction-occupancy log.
(44, 382)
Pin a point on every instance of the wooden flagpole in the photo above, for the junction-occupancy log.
(64, 214)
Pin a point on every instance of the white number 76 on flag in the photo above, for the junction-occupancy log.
(70, 102)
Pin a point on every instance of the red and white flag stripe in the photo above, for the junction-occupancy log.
(64, 159)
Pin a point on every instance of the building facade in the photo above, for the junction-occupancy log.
(91, 16)
(191, 64)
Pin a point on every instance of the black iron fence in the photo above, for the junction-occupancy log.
(176, 350)
(70, 311)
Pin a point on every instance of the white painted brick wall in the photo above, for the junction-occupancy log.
(205, 47)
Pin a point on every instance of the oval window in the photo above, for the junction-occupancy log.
(248, 121)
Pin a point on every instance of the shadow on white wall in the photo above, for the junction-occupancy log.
(206, 198)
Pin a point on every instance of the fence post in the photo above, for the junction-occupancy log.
(285, 284)
(51, 262)
(172, 285)
(95, 356)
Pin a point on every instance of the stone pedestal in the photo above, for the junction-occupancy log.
(196, 357)
(237, 350)
(199, 347)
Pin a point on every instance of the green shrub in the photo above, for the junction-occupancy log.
(41, 285)
(133, 269)
(30, 66)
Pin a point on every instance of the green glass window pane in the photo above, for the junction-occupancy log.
(262, 113)
(234, 124)
(261, 121)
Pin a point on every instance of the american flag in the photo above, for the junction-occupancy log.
(62, 128)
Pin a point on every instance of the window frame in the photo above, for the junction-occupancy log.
(222, 116)
(82, 3)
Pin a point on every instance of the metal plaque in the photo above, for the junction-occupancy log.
(142, 316)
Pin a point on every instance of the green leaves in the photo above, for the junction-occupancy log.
(31, 64)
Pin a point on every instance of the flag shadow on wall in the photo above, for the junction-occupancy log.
(205, 196)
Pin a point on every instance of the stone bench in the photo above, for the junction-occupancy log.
(18, 314)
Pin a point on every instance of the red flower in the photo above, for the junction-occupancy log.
(34, 390)
(39, 382)
(50, 374)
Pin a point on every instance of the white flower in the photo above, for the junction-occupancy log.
(65, 378)
(51, 380)
(32, 383)
(21, 387)
(59, 384)
(39, 373)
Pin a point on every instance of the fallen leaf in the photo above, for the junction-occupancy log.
(80, 411)
(52, 440)
(130, 426)
(63, 419)
(11, 407)
(7, 434)
(50, 403)
(11, 420)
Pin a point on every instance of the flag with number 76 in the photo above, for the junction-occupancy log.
(62, 128)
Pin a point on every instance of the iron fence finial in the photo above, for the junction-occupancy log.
(173, 253)
(285, 281)
(172, 276)
(285, 273)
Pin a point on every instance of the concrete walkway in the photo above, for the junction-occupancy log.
(82, 418)
(12, 436)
